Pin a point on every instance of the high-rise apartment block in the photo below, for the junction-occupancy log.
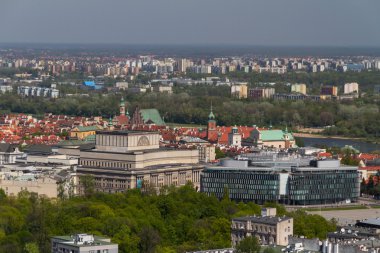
(183, 64)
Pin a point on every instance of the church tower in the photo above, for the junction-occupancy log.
(110, 124)
(234, 138)
(122, 107)
(212, 134)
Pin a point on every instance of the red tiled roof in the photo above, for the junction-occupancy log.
(368, 157)
(370, 168)
(324, 154)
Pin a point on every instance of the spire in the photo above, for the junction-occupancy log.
(270, 125)
(286, 128)
(211, 116)
(122, 106)
(127, 114)
(110, 121)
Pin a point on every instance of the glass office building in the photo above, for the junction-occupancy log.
(322, 182)
(241, 185)
(313, 186)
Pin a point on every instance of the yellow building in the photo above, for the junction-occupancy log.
(239, 91)
(81, 132)
(299, 88)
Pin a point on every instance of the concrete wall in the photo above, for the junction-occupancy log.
(44, 186)
(284, 230)
(139, 160)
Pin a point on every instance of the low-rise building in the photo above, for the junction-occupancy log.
(9, 153)
(299, 88)
(163, 89)
(5, 88)
(269, 230)
(329, 90)
(121, 85)
(82, 243)
(227, 250)
(351, 88)
(272, 139)
(81, 132)
(28, 182)
(239, 91)
(33, 91)
(234, 137)
(261, 93)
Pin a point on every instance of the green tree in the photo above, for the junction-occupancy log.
(149, 239)
(87, 183)
(363, 187)
(3, 196)
(269, 250)
(219, 153)
(31, 248)
(249, 244)
(61, 191)
(299, 142)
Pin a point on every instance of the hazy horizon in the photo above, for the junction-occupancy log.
(324, 23)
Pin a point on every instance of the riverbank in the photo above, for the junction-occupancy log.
(363, 145)
(307, 135)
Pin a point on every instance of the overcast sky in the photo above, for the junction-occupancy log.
(248, 22)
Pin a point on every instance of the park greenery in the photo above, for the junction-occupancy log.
(175, 220)
(248, 245)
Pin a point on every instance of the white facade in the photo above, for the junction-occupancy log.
(351, 88)
(234, 138)
(6, 88)
(32, 91)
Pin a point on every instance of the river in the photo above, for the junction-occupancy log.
(364, 147)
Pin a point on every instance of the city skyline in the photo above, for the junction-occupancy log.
(271, 23)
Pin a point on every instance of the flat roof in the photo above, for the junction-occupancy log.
(279, 168)
(135, 152)
(271, 220)
(125, 132)
(68, 240)
(371, 221)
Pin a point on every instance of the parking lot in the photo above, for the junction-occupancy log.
(345, 217)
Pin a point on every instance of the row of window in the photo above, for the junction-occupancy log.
(242, 175)
(240, 181)
(106, 164)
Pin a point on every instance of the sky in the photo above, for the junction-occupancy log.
(225, 22)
